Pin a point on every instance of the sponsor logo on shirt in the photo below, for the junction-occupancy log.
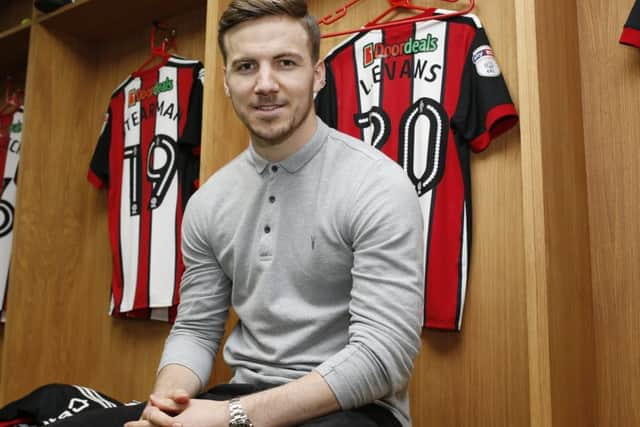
(137, 95)
(16, 127)
(485, 62)
(373, 51)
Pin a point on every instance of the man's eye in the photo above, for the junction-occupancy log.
(245, 66)
(287, 63)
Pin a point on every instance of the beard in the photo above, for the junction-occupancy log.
(276, 130)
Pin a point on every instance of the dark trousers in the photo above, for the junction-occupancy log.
(367, 416)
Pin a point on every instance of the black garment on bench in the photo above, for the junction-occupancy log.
(367, 416)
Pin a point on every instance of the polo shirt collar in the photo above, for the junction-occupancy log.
(297, 160)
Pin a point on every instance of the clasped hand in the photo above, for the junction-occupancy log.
(179, 410)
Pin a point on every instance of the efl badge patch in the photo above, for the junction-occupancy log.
(485, 62)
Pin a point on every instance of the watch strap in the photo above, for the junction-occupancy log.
(237, 416)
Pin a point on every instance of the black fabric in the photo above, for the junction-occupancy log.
(47, 6)
(113, 417)
(367, 416)
(52, 402)
(633, 21)
(325, 103)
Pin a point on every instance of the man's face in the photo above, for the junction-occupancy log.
(271, 78)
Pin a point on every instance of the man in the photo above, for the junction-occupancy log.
(312, 236)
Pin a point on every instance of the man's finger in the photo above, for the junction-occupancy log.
(157, 417)
(181, 396)
(167, 404)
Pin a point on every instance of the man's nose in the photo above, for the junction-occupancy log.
(266, 81)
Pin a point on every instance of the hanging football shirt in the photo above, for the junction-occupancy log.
(426, 94)
(10, 141)
(148, 156)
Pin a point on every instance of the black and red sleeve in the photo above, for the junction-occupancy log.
(192, 131)
(485, 109)
(190, 140)
(631, 30)
(325, 101)
(99, 168)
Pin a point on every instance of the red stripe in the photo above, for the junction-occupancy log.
(147, 132)
(17, 421)
(94, 180)
(185, 82)
(445, 234)
(630, 36)
(173, 312)
(347, 92)
(116, 158)
(396, 91)
(499, 119)
(138, 313)
(5, 124)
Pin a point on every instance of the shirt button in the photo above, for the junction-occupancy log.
(274, 168)
(272, 199)
(267, 229)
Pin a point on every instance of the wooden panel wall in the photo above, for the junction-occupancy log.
(562, 387)
(610, 75)
(570, 333)
(62, 262)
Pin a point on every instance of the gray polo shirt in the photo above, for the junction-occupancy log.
(321, 256)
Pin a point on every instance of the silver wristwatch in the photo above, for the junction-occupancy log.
(237, 416)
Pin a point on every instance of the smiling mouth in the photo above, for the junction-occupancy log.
(268, 107)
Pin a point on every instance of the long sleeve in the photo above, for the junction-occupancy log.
(204, 299)
(388, 291)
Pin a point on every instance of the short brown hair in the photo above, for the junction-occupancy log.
(240, 11)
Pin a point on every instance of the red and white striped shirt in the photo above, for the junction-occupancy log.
(148, 157)
(426, 94)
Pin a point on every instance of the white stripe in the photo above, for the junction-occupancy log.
(162, 252)
(9, 200)
(99, 399)
(425, 204)
(111, 303)
(130, 225)
(368, 88)
(93, 395)
(425, 89)
(161, 314)
(464, 265)
(183, 61)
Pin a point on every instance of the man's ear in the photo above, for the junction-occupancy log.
(318, 76)
(224, 81)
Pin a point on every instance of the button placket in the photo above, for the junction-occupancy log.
(268, 215)
(269, 209)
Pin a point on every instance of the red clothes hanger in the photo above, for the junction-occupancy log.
(162, 51)
(393, 6)
(12, 98)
